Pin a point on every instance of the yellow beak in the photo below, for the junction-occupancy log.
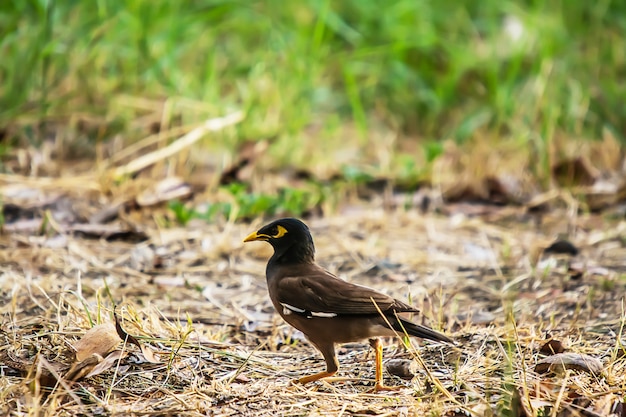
(256, 236)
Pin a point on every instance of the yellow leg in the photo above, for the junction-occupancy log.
(315, 377)
(328, 351)
(379, 386)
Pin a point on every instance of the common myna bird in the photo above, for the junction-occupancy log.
(326, 309)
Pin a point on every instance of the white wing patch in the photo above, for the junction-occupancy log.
(321, 314)
(289, 309)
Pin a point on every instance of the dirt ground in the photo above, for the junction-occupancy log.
(195, 297)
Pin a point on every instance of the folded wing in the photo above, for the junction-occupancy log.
(321, 292)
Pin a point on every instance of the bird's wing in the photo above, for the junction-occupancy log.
(319, 293)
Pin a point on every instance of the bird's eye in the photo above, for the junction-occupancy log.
(279, 232)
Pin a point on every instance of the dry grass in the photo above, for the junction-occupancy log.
(196, 296)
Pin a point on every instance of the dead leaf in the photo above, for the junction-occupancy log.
(100, 339)
(552, 347)
(561, 361)
(562, 246)
(148, 354)
(107, 363)
(82, 368)
(145, 350)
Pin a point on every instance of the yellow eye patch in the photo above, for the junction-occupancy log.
(281, 231)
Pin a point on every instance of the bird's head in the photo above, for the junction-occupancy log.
(290, 238)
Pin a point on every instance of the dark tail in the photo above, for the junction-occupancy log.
(417, 330)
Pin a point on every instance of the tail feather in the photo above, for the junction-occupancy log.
(417, 330)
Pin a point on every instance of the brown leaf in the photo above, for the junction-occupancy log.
(82, 368)
(562, 361)
(100, 339)
(107, 363)
(122, 333)
(551, 347)
(146, 351)
(563, 247)
(148, 354)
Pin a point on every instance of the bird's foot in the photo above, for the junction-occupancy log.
(315, 377)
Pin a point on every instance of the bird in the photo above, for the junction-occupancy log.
(325, 308)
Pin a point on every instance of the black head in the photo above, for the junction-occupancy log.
(290, 238)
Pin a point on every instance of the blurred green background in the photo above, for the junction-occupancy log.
(315, 75)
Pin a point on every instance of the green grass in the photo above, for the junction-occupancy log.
(243, 204)
(314, 74)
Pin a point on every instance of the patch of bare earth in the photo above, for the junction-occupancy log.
(209, 343)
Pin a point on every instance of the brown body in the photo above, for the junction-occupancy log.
(325, 308)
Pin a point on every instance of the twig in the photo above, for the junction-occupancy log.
(189, 139)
